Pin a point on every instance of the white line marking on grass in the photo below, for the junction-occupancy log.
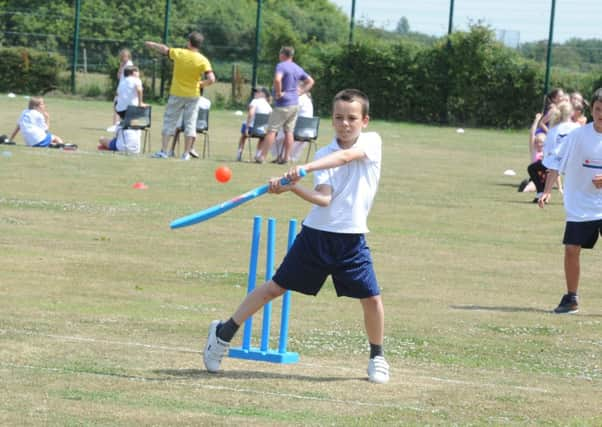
(408, 373)
(47, 152)
(102, 341)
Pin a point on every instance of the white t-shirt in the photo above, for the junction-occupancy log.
(127, 92)
(353, 185)
(128, 140)
(554, 140)
(204, 103)
(262, 106)
(581, 156)
(306, 107)
(33, 126)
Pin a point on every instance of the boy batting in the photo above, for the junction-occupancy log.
(331, 241)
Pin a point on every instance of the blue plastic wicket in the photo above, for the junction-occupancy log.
(252, 277)
(264, 353)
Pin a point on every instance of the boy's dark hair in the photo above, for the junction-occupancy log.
(350, 95)
(129, 70)
(597, 96)
(196, 39)
(287, 51)
(265, 92)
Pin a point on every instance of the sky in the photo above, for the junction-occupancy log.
(526, 20)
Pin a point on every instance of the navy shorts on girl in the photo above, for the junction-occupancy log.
(45, 142)
(584, 234)
(317, 254)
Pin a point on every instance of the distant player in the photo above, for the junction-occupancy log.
(580, 161)
(331, 242)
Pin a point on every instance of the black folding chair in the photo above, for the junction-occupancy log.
(306, 130)
(139, 118)
(259, 130)
(202, 128)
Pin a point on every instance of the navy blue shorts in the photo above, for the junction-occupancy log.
(45, 142)
(584, 234)
(317, 254)
(243, 129)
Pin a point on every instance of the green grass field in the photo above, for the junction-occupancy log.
(104, 309)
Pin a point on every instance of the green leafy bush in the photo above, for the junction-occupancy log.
(30, 71)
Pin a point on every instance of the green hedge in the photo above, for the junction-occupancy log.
(29, 71)
(470, 79)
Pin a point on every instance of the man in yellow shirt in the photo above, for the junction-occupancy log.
(192, 72)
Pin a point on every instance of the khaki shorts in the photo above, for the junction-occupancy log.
(283, 118)
(181, 112)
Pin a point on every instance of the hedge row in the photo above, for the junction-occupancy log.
(29, 71)
(469, 79)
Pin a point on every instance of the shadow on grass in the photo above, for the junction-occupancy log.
(245, 375)
(499, 308)
(510, 309)
(508, 184)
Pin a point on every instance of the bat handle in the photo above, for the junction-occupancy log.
(285, 181)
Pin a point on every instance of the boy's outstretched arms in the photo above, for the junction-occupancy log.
(321, 195)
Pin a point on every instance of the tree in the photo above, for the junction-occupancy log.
(403, 26)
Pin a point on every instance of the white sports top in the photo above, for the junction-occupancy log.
(33, 126)
(353, 185)
(581, 160)
(554, 140)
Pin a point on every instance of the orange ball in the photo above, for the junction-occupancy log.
(223, 174)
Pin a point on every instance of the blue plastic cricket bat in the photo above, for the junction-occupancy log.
(216, 210)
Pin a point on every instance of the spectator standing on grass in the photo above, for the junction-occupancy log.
(191, 72)
(34, 124)
(306, 109)
(331, 241)
(286, 104)
(580, 161)
(125, 60)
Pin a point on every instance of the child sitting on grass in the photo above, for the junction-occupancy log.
(34, 124)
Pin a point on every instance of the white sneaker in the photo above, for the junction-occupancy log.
(185, 156)
(215, 349)
(193, 153)
(378, 370)
(171, 154)
(160, 155)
